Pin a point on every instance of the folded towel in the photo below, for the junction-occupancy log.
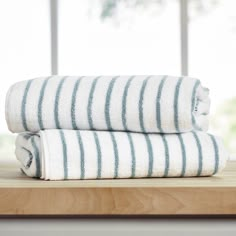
(71, 154)
(155, 104)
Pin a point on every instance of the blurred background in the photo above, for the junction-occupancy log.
(90, 37)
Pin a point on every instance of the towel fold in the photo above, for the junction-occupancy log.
(148, 104)
(71, 154)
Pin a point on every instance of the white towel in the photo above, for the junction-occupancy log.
(155, 104)
(71, 154)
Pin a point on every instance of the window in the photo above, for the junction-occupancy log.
(189, 37)
(118, 37)
(212, 57)
(24, 52)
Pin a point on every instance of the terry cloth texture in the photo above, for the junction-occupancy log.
(147, 104)
(71, 154)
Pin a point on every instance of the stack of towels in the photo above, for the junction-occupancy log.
(113, 127)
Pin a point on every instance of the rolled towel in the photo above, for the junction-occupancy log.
(148, 104)
(70, 154)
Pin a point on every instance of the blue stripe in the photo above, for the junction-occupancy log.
(132, 150)
(150, 155)
(199, 147)
(64, 149)
(124, 100)
(90, 102)
(27, 136)
(167, 155)
(176, 104)
(183, 152)
(73, 101)
(40, 103)
(197, 83)
(116, 154)
(99, 155)
(141, 104)
(37, 158)
(108, 101)
(158, 102)
(23, 105)
(56, 105)
(81, 148)
(216, 150)
(29, 162)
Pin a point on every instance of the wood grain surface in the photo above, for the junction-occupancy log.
(20, 195)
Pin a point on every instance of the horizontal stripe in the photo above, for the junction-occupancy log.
(108, 101)
(99, 155)
(167, 156)
(27, 136)
(29, 161)
(133, 158)
(64, 152)
(57, 101)
(40, 102)
(116, 155)
(183, 152)
(73, 101)
(37, 158)
(158, 102)
(176, 104)
(81, 149)
(216, 151)
(141, 97)
(90, 102)
(23, 105)
(150, 155)
(199, 148)
(124, 102)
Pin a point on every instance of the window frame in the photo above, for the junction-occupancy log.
(183, 28)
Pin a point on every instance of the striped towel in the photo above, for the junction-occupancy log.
(148, 104)
(71, 154)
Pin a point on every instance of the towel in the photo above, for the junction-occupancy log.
(147, 104)
(73, 154)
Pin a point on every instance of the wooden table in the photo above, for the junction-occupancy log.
(20, 195)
